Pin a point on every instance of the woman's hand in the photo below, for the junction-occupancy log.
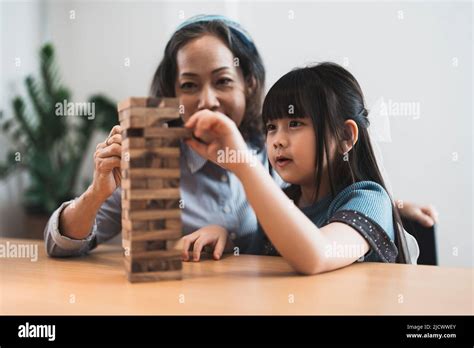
(220, 139)
(213, 235)
(425, 215)
(107, 176)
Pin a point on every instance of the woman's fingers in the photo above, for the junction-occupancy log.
(431, 212)
(117, 176)
(202, 241)
(100, 146)
(425, 220)
(187, 241)
(219, 248)
(115, 139)
(115, 130)
(105, 165)
(111, 150)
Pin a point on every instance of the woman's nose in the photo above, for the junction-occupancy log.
(208, 99)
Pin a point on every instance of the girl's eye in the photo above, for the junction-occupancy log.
(295, 123)
(270, 127)
(224, 81)
(187, 86)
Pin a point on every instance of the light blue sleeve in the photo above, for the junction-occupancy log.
(371, 200)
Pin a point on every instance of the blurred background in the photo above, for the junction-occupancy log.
(412, 59)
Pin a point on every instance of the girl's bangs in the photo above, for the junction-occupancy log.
(285, 99)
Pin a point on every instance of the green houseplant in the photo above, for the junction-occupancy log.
(49, 147)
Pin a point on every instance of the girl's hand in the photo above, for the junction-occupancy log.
(424, 215)
(218, 135)
(213, 235)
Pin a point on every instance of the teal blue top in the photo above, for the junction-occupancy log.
(365, 206)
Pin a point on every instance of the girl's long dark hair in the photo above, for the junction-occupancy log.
(330, 95)
(163, 84)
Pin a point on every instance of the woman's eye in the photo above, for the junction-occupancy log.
(224, 81)
(187, 85)
(295, 123)
(270, 127)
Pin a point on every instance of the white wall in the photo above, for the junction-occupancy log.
(403, 52)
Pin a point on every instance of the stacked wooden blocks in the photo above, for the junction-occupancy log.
(151, 215)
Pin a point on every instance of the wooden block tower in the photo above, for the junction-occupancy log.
(151, 214)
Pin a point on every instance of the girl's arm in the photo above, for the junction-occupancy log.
(306, 247)
(299, 241)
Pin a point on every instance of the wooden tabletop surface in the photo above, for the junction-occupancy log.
(244, 284)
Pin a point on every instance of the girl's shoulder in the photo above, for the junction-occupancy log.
(369, 200)
(367, 208)
(362, 192)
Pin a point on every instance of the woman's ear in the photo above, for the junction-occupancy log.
(251, 85)
(351, 135)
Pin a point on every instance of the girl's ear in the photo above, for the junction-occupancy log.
(351, 135)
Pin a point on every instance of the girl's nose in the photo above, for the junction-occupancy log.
(208, 99)
(280, 142)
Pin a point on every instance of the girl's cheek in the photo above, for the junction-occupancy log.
(270, 152)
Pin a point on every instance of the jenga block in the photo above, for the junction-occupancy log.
(130, 181)
(148, 102)
(173, 223)
(134, 143)
(140, 117)
(154, 276)
(149, 249)
(139, 174)
(155, 214)
(172, 133)
(152, 161)
(137, 205)
(161, 152)
(165, 193)
(153, 265)
(166, 234)
(149, 225)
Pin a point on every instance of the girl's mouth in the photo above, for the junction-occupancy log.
(282, 162)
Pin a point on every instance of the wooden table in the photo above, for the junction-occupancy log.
(96, 284)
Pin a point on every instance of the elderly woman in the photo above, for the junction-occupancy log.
(212, 63)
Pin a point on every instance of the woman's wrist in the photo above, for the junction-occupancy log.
(95, 196)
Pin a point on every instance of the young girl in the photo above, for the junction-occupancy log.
(337, 209)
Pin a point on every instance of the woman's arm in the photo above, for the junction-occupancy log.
(77, 219)
(425, 215)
